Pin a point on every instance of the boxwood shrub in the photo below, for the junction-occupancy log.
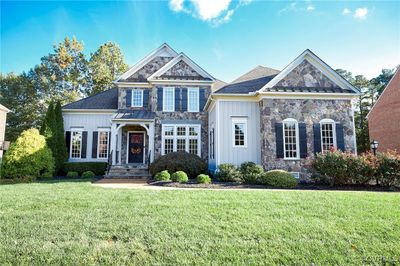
(98, 168)
(250, 172)
(203, 179)
(162, 176)
(227, 172)
(180, 177)
(278, 178)
(88, 174)
(191, 164)
(72, 174)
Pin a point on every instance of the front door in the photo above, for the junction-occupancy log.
(136, 147)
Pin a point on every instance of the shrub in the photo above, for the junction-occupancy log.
(250, 172)
(228, 173)
(46, 175)
(28, 157)
(191, 164)
(72, 174)
(98, 168)
(88, 174)
(203, 179)
(278, 178)
(388, 169)
(180, 177)
(163, 176)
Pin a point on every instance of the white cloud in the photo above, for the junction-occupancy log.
(361, 13)
(176, 5)
(295, 7)
(310, 8)
(346, 11)
(210, 9)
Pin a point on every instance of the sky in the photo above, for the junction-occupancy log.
(227, 38)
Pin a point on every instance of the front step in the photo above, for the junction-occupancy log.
(128, 172)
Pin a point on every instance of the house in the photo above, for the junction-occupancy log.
(3, 118)
(384, 117)
(166, 102)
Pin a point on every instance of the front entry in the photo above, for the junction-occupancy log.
(136, 147)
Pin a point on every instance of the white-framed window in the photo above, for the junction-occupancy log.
(193, 100)
(102, 143)
(137, 98)
(76, 144)
(239, 132)
(168, 99)
(181, 138)
(290, 139)
(328, 134)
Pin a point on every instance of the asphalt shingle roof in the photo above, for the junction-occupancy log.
(248, 86)
(104, 100)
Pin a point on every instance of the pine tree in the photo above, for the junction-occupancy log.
(48, 129)
(61, 153)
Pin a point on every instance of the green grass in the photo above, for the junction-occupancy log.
(77, 223)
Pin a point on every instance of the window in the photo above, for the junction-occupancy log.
(102, 147)
(328, 136)
(212, 141)
(168, 99)
(76, 144)
(181, 138)
(137, 98)
(290, 139)
(239, 130)
(193, 99)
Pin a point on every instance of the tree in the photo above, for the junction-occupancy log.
(105, 65)
(61, 153)
(379, 83)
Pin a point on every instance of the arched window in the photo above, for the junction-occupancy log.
(328, 134)
(290, 138)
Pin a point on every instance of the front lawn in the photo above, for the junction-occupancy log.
(76, 223)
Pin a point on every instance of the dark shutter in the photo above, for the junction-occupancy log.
(279, 139)
(128, 98)
(68, 141)
(317, 137)
(303, 140)
(146, 94)
(184, 100)
(159, 99)
(84, 144)
(177, 99)
(94, 144)
(202, 99)
(340, 137)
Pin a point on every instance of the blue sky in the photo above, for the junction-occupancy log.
(227, 38)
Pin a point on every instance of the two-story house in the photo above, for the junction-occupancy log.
(166, 103)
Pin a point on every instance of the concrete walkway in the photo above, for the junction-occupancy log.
(128, 183)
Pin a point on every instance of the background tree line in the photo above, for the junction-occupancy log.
(66, 75)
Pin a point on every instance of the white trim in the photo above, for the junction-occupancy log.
(241, 120)
(218, 144)
(141, 97)
(164, 48)
(182, 82)
(197, 91)
(176, 60)
(90, 111)
(175, 137)
(164, 99)
(291, 120)
(98, 141)
(3, 108)
(333, 123)
(354, 129)
(133, 84)
(127, 145)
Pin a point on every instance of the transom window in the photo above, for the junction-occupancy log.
(239, 130)
(102, 150)
(137, 98)
(168, 99)
(181, 138)
(290, 139)
(193, 100)
(328, 136)
(76, 144)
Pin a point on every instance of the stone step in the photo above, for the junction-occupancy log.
(126, 177)
(128, 171)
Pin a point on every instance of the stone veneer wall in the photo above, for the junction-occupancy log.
(181, 69)
(304, 111)
(154, 65)
(124, 142)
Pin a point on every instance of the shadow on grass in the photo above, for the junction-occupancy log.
(49, 181)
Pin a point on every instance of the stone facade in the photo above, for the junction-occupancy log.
(182, 70)
(146, 71)
(122, 98)
(304, 111)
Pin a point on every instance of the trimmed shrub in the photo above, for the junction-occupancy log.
(191, 164)
(162, 176)
(72, 174)
(98, 168)
(251, 172)
(46, 175)
(203, 179)
(228, 173)
(388, 169)
(28, 158)
(278, 178)
(180, 177)
(88, 174)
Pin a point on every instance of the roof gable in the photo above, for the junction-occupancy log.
(255, 73)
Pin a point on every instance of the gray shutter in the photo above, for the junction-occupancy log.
(317, 138)
(68, 141)
(279, 139)
(177, 99)
(159, 99)
(84, 144)
(146, 94)
(94, 144)
(129, 98)
(340, 137)
(184, 100)
(202, 99)
(303, 140)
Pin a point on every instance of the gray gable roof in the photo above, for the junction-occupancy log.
(104, 100)
(255, 73)
(244, 87)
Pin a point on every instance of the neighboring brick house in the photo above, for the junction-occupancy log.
(167, 103)
(384, 117)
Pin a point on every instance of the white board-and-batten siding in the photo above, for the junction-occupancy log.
(87, 122)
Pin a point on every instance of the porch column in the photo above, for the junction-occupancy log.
(151, 141)
(113, 143)
(120, 145)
